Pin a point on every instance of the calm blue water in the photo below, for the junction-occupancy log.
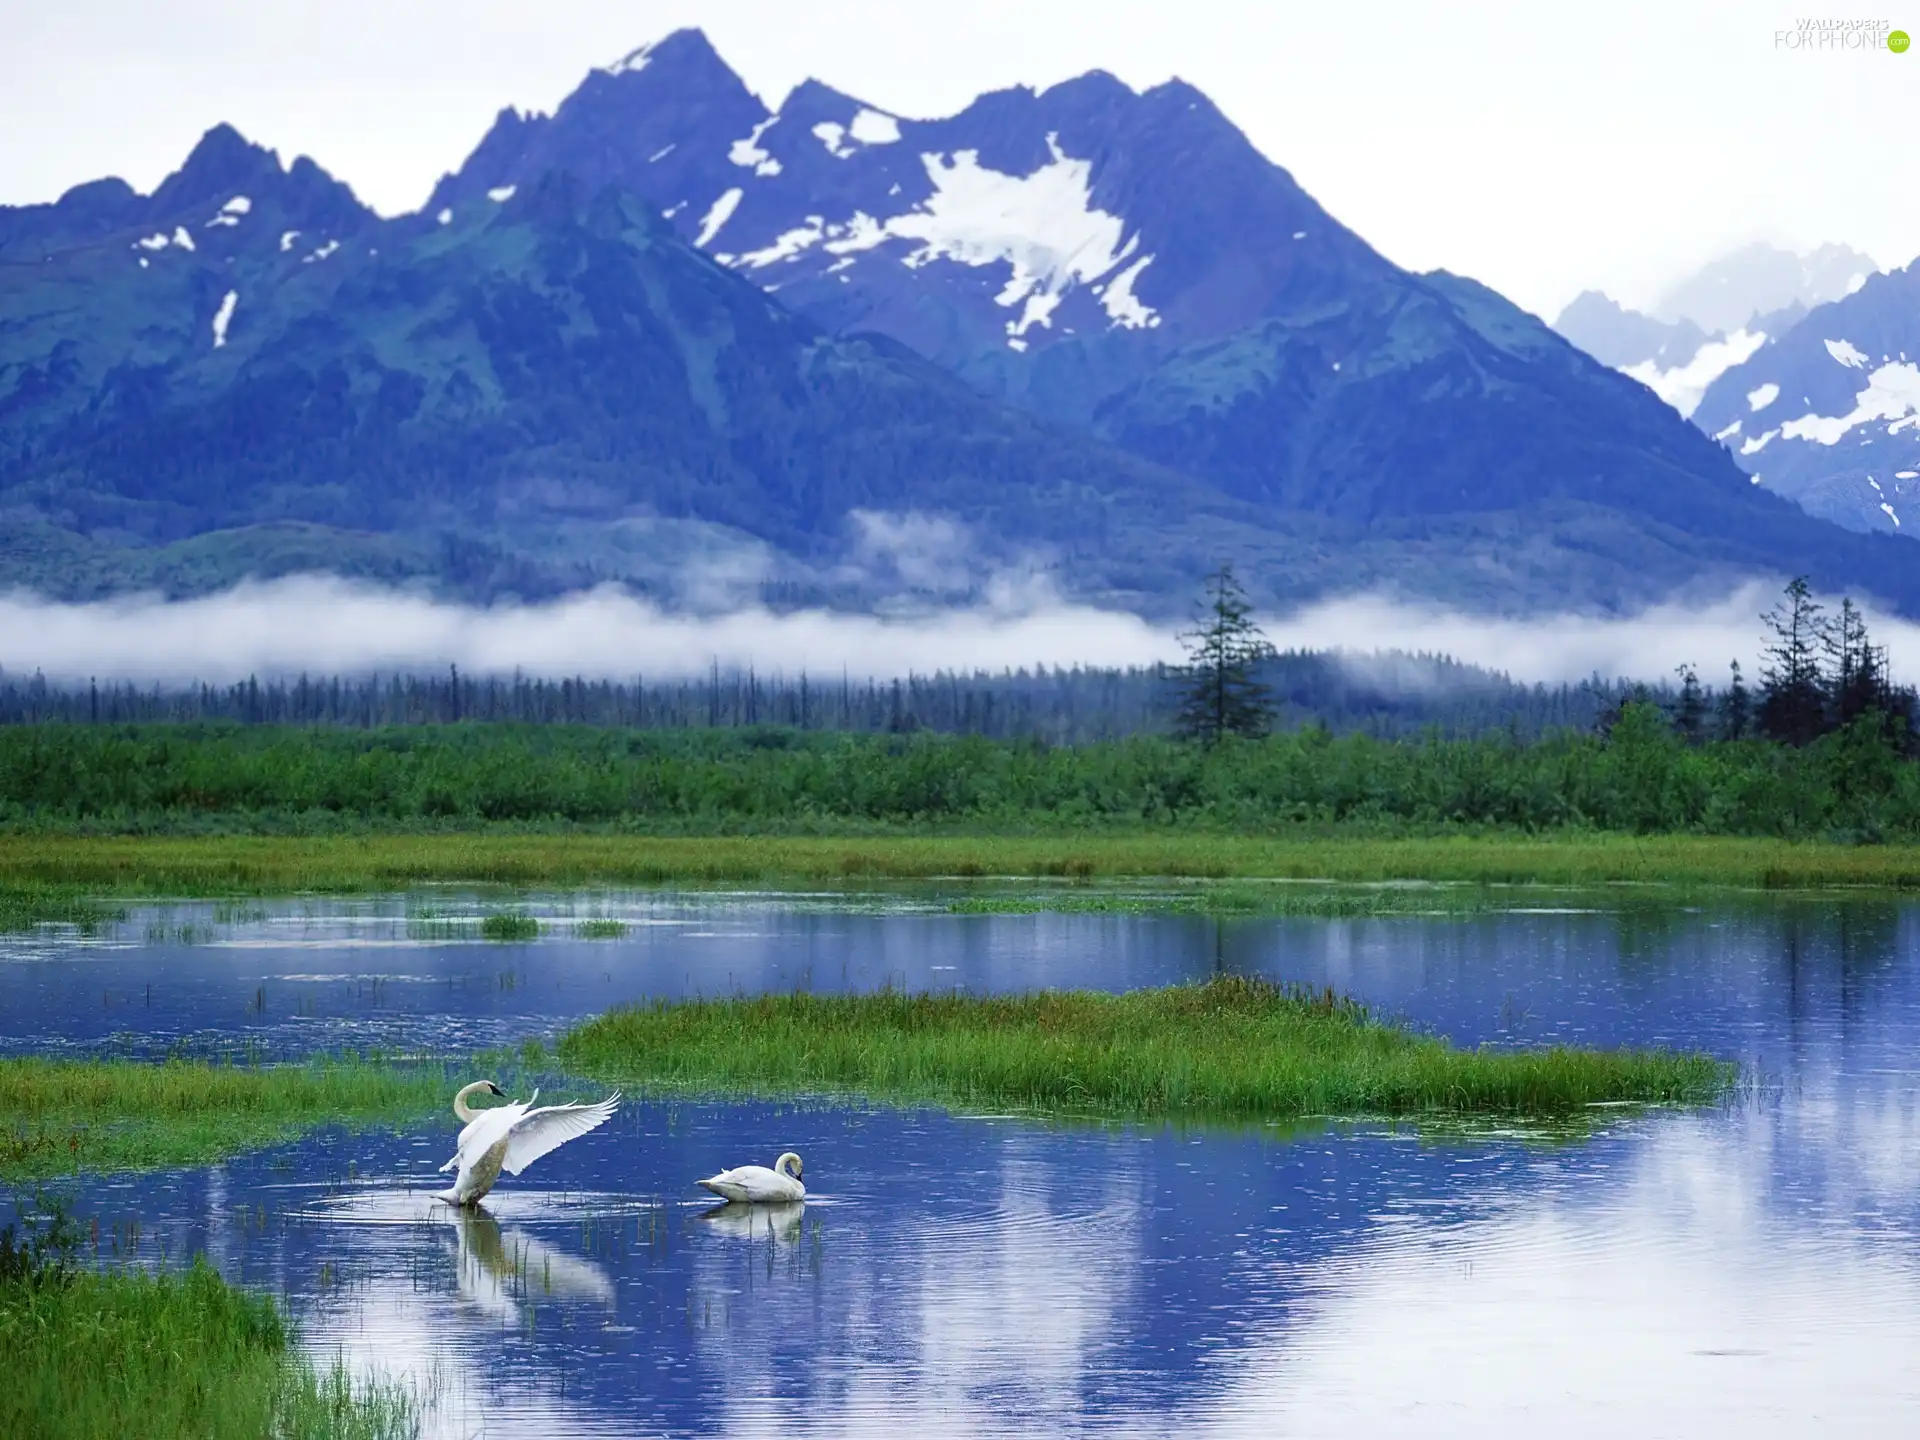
(1752, 1269)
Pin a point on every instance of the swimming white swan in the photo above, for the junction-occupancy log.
(511, 1137)
(757, 1185)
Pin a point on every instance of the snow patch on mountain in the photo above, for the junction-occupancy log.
(1683, 385)
(748, 155)
(500, 194)
(1122, 305)
(1762, 396)
(833, 136)
(1892, 393)
(868, 127)
(1045, 226)
(632, 63)
(789, 245)
(717, 215)
(182, 238)
(875, 127)
(223, 317)
(1846, 354)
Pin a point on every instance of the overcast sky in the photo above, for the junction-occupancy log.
(1540, 148)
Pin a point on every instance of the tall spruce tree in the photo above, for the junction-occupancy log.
(1220, 693)
(1690, 712)
(1736, 708)
(1793, 699)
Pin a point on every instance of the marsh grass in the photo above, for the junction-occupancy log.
(1233, 1047)
(510, 925)
(34, 903)
(126, 1352)
(59, 1116)
(57, 866)
(601, 928)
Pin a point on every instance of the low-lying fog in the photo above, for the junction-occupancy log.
(323, 625)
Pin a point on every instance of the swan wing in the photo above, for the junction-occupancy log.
(539, 1131)
(484, 1131)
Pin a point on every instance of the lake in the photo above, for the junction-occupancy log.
(1750, 1268)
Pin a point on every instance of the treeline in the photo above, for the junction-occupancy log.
(1385, 695)
(1641, 776)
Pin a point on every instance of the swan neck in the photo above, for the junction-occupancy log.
(464, 1112)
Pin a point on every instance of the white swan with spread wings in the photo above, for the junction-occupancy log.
(511, 1137)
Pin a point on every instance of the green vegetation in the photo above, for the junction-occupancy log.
(1233, 1047)
(127, 866)
(1640, 778)
(510, 925)
(126, 1352)
(65, 1115)
(24, 906)
(601, 928)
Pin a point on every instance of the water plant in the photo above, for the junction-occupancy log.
(601, 927)
(1232, 1047)
(510, 925)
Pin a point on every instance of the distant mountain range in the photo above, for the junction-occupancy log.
(665, 335)
(1829, 415)
(1831, 424)
(1714, 319)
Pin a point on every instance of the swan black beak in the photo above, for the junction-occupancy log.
(495, 1088)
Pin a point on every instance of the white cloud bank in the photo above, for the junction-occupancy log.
(324, 625)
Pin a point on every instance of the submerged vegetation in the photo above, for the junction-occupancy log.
(127, 1352)
(1233, 1047)
(59, 1116)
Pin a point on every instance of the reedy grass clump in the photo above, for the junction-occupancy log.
(510, 925)
(1231, 1048)
(58, 1116)
(127, 1352)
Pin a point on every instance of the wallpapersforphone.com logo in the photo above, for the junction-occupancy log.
(1811, 36)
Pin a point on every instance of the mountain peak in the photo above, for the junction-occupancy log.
(683, 50)
(224, 162)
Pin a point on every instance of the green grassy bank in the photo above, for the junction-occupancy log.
(61, 870)
(60, 1116)
(166, 1357)
(1231, 1048)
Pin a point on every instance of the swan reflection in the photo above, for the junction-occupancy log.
(498, 1269)
(756, 1222)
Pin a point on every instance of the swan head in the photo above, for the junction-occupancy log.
(788, 1164)
(493, 1089)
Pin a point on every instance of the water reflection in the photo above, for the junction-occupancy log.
(1751, 1268)
(777, 1223)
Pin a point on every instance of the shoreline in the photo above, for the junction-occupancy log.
(123, 866)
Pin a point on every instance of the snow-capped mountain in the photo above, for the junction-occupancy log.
(1713, 320)
(1086, 323)
(1050, 247)
(1829, 415)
